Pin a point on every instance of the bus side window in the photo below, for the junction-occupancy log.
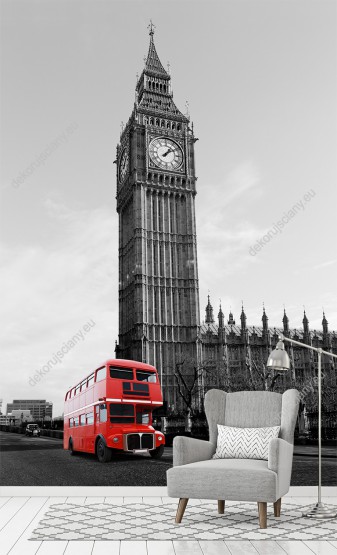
(82, 420)
(91, 380)
(103, 415)
(97, 413)
(90, 418)
(71, 422)
(76, 421)
(101, 374)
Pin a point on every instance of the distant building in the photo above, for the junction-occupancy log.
(4, 419)
(18, 416)
(40, 408)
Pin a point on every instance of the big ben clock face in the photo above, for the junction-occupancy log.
(123, 164)
(165, 153)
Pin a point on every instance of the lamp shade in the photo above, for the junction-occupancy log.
(278, 358)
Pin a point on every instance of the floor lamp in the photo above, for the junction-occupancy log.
(279, 360)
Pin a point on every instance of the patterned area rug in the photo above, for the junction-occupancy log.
(141, 521)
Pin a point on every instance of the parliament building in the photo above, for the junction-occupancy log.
(159, 313)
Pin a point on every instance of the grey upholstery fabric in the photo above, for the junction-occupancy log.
(215, 406)
(235, 479)
(188, 450)
(196, 475)
(290, 403)
(280, 460)
(253, 409)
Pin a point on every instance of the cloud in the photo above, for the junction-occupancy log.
(324, 264)
(51, 292)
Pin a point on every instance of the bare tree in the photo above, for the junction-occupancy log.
(188, 384)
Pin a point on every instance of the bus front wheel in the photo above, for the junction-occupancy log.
(158, 452)
(103, 452)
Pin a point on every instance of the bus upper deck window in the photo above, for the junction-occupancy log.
(145, 376)
(91, 380)
(101, 374)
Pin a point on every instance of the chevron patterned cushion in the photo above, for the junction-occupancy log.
(244, 443)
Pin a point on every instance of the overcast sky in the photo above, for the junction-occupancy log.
(260, 79)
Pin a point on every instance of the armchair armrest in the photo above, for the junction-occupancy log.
(280, 460)
(188, 450)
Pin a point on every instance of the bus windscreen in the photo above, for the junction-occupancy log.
(144, 376)
(121, 373)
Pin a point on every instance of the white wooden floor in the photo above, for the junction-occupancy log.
(20, 515)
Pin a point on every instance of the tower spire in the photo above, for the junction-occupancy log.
(151, 28)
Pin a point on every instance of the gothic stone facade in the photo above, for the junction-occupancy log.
(234, 357)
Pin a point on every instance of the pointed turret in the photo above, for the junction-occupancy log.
(326, 334)
(265, 332)
(231, 321)
(306, 331)
(243, 319)
(209, 312)
(264, 321)
(221, 318)
(285, 321)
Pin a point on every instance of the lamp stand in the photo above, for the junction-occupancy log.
(279, 360)
(320, 510)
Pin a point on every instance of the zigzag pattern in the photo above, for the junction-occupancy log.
(244, 443)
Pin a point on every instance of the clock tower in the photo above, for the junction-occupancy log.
(158, 270)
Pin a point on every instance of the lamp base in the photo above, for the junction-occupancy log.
(321, 511)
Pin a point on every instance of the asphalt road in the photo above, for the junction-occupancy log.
(27, 461)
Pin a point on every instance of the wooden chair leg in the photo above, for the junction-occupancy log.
(221, 506)
(277, 507)
(262, 514)
(181, 509)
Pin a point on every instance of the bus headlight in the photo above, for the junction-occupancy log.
(115, 440)
(160, 438)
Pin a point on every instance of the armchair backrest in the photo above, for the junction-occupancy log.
(252, 409)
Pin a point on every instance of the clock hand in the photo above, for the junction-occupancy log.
(167, 152)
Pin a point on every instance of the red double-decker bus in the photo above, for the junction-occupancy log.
(111, 409)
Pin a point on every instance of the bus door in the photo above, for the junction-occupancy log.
(90, 431)
(101, 417)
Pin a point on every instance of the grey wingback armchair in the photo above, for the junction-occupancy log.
(195, 475)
